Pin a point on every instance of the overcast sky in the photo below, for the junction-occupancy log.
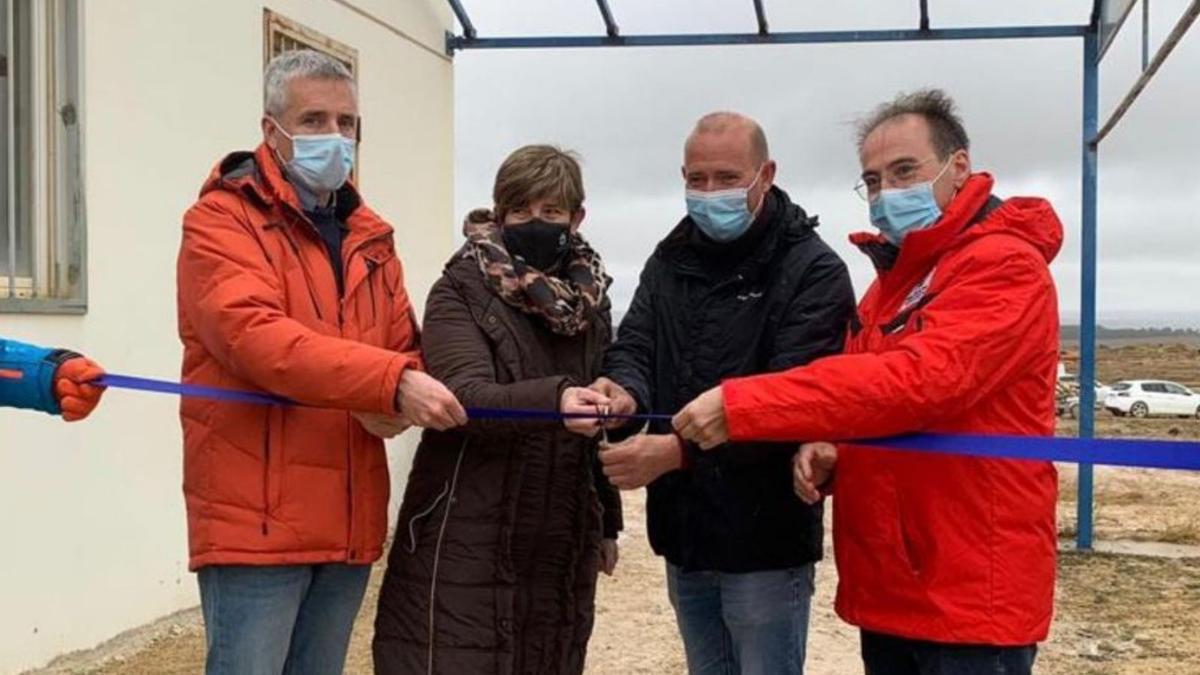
(627, 112)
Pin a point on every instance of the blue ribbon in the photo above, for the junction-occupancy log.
(554, 416)
(236, 396)
(189, 390)
(1111, 451)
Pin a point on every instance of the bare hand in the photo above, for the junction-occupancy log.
(609, 555)
(640, 460)
(812, 466)
(622, 402)
(703, 420)
(425, 402)
(582, 401)
(382, 426)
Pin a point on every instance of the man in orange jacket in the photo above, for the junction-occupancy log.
(945, 562)
(289, 284)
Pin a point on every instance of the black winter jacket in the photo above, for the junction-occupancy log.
(776, 298)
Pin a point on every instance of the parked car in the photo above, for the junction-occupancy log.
(1067, 407)
(1143, 398)
(1071, 381)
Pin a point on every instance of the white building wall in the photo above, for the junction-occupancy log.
(91, 515)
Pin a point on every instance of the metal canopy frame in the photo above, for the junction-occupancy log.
(1097, 35)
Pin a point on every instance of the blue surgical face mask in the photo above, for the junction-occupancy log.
(899, 212)
(321, 161)
(722, 215)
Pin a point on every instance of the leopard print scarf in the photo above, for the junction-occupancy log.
(566, 302)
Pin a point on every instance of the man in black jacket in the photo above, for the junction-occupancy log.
(742, 285)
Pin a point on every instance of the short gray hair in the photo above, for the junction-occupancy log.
(298, 63)
(946, 130)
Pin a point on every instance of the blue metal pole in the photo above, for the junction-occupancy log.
(463, 20)
(814, 37)
(610, 25)
(760, 14)
(1087, 314)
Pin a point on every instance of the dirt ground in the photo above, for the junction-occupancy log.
(1115, 614)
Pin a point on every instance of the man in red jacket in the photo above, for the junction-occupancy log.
(946, 562)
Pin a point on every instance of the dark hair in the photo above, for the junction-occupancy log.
(945, 126)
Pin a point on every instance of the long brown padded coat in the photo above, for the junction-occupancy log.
(501, 523)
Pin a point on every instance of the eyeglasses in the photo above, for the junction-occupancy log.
(901, 175)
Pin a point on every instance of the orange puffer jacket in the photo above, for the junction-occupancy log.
(259, 310)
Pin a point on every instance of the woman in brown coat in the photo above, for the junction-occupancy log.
(506, 523)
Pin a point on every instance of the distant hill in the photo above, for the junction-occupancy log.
(1104, 334)
(1114, 337)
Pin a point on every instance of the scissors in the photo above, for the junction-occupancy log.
(603, 412)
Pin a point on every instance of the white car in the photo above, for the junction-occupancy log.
(1142, 398)
(1071, 381)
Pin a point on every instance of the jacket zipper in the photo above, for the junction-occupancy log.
(308, 281)
(351, 551)
(266, 484)
(350, 490)
(341, 333)
(371, 267)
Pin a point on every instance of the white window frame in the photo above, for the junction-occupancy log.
(58, 283)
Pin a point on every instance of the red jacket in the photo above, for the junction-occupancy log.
(960, 335)
(259, 310)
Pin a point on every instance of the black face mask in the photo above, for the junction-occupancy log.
(539, 244)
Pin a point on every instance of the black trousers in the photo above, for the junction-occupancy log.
(890, 655)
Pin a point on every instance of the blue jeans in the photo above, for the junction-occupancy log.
(748, 624)
(285, 619)
(890, 655)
